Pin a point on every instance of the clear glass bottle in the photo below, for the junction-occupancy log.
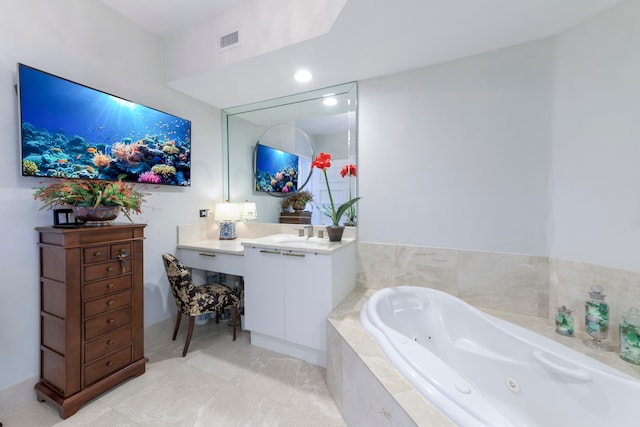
(564, 322)
(629, 336)
(597, 319)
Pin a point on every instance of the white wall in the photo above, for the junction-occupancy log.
(533, 149)
(458, 155)
(596, 148)
(88, 43)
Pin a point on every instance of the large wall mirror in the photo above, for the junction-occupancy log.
(270, 146)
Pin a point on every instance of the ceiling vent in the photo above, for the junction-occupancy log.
(229, 40)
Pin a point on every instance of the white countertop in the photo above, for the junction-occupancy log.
(231, 247)
(281, 241)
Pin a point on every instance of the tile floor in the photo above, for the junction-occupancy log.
(218, 383)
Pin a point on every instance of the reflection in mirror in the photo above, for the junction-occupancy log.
(327, 117)
(282, 160)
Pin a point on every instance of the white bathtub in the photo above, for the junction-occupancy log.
(483, 371)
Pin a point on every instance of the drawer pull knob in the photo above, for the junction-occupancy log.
(109, 269)
(111, 321)
(206, 254)
(109, 364)
(97, 254)
(110, 302)
(111, 286)
(110, 342)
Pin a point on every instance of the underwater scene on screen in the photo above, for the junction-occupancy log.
(276, 171)
(72, 131)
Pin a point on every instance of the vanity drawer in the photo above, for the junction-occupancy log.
(212, 261)
(107, 322)
(107, 365)
(107, 303)
(107, 343)
(96, 254)
(106, 287)
(106, 269)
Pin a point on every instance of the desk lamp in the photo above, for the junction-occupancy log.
(227, 213)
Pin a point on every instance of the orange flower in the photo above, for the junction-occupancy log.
(323, 161)
(348, 170)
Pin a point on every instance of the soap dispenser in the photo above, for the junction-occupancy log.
(597, 319)
(629, 338)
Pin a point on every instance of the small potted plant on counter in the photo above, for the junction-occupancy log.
(335, 230)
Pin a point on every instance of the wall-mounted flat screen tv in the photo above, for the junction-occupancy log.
(69, 130)
(276, 170)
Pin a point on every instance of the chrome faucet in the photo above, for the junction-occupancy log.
(309, 229)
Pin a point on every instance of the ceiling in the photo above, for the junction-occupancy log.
(370, 38)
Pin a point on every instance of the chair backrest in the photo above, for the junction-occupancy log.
(182, 286)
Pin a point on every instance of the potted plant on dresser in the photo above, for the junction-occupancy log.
(92, 200)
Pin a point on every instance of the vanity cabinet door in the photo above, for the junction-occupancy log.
(264, 291)
(288, 295)
(307, 298)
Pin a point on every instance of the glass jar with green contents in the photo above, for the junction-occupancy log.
(597, 319)
(629, 338)
(564, 322)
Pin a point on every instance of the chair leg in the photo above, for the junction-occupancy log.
(175, 330)
(234, 320)
(192, 322)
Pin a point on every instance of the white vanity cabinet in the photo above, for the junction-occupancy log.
(289, 294)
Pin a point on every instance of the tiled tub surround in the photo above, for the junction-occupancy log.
(511, 283)
(521, 289)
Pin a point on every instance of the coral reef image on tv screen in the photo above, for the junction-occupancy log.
(276, 170)
(69, 130)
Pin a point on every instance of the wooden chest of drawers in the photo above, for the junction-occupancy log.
(91, 312)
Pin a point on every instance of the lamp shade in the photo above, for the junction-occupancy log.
(227, 212)
(248, 211)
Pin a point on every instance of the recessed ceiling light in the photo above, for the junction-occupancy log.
(330, 101)
(302, 76)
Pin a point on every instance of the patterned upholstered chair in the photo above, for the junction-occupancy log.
(194, 300)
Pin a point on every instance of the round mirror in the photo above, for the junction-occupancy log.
(282, 160)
